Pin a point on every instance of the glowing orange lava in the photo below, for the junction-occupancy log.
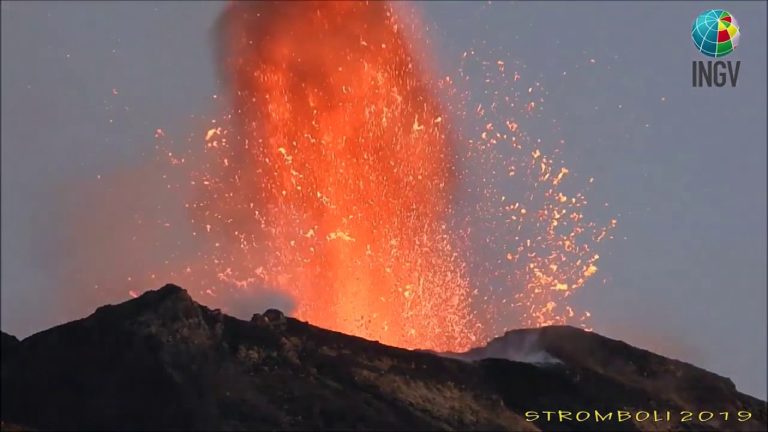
(337, 183)
(337, 180)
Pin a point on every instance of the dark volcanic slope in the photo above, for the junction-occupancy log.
(163, 361)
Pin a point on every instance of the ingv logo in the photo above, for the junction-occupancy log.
(715, 33)
(708, 73)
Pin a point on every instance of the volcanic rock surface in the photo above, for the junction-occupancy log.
(162, 361)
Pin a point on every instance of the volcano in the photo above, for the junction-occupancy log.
(163, 361)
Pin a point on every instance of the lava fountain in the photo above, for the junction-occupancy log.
(337, 179)
(334, 177)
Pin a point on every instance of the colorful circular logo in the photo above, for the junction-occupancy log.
(715, 33)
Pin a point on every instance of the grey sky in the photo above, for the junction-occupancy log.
(686, 173)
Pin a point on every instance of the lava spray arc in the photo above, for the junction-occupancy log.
(337, 175)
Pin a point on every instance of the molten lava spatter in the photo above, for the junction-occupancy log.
(525, 219)
(334, 180)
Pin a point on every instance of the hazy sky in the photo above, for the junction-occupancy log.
(85, 86)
